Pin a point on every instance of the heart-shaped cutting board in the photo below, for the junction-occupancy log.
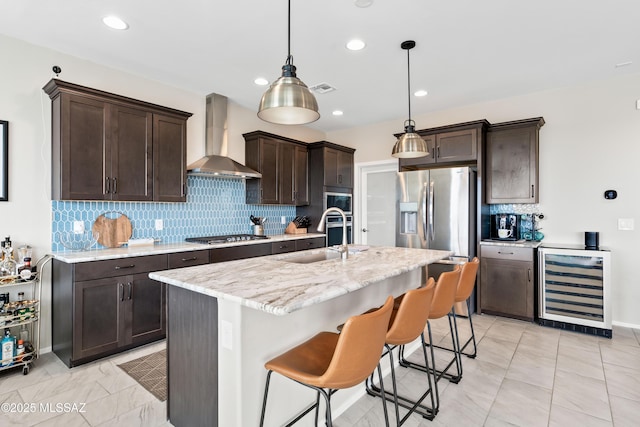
(112, 232)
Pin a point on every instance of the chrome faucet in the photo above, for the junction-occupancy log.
(343, 249)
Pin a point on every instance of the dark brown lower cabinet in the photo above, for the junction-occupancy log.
(507, 281)
(101, 316)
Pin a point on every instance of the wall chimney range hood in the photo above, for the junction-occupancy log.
(214, 163)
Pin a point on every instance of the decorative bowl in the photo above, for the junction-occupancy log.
(78, 241)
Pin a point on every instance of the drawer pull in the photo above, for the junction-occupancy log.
(505, 253)
(121, 267)
(195, 258)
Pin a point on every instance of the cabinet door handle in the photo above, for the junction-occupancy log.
(340, 179)
(121, 267)
(529, 274)
(130, 285)
(438, 150)
(189, 259)
(121, 291)
(107, 185)
(532, 191)
(115, 185)
(284, 247)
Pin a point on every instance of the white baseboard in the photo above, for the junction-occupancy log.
(625, 325)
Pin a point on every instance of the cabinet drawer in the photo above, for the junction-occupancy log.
(316, 242)
(283, 247)
(119, 267)
(507, 252)
(186, 259)
(240, 252)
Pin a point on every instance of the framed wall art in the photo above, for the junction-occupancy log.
(4, 160)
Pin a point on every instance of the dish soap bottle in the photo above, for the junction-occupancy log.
(8, 344)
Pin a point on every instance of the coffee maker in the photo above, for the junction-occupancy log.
(505, 226)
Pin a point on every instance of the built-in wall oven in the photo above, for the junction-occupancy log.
(333, 229)
(338, 200)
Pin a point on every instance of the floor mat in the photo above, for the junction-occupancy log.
(150, 372)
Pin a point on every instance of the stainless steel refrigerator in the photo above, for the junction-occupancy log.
(436, 210)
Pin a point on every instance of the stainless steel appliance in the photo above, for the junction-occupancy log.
(333, 229)
(436, 210)
(342, 201)
(228, 238)
(575, 289)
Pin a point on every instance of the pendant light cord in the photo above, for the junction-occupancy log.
(409, 84)
(289, 58)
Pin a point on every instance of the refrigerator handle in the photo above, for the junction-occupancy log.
(425, 196)
(431, 216)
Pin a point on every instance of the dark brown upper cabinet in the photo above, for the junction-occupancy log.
(512, 162)
(283, 165)
(451, 145)
(110, 147)
(332, 164)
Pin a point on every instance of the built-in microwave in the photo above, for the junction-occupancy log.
(338, 200)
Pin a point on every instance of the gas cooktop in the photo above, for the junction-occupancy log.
(212, 240)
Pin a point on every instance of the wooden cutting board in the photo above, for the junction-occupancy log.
(112, 232)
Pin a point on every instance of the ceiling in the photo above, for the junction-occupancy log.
(467, 51)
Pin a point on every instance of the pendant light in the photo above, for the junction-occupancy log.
(409, 144)
(288, 101)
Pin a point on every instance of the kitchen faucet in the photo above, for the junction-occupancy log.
(343, 249)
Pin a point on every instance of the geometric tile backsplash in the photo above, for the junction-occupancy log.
(214, 206)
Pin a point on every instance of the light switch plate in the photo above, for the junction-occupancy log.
(159, 224)
(625, 224)
(283, 220)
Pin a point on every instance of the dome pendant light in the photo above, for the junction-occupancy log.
(409, 144)
(288, 101)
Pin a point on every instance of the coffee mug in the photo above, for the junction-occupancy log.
(504, 233)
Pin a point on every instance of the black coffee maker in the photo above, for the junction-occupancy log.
(505, 226)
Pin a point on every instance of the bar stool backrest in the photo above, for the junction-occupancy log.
(412, 314)
(358, 350)
(467, 279)
(445, 293)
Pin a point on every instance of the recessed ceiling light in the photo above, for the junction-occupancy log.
(421, 92)
(337, 113)
(355, 44)
(363, 3)
(114, 22)
(261, 81)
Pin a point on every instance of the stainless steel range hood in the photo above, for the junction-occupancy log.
(216, 163)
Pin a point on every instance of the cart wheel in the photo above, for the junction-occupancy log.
(25, 369)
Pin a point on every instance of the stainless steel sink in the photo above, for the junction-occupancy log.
(313, 257)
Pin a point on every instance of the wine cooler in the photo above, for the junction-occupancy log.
(574, 291)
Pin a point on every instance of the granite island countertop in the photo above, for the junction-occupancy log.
(125, 251)
(278, 286)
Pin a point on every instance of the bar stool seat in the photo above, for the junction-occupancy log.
(441, 305)
(408, 322)
(334, 361)
(463, 294)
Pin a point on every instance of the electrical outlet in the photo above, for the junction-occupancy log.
(226, 335)
(625, 224)
(283, 220)
(159, 224)
(78, 227)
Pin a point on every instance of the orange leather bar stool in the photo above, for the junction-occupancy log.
(442, 304)
(330, 361)
(465, 287)
(407, 323)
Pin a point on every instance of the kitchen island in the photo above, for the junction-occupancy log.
(226, 320)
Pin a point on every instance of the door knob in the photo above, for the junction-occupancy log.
(364, 230)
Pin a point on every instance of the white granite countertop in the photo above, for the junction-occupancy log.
(516, 243)
(278, 286)
(164, 248)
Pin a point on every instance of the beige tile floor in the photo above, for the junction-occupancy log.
(524, 375)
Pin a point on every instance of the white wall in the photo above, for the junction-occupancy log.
(26, 68)
(590, 143)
